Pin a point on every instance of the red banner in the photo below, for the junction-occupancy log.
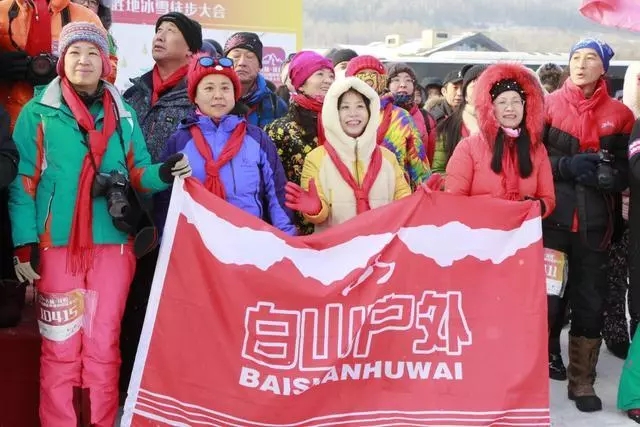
(429, 311)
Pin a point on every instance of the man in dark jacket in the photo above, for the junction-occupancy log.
(451, 95)
(160, 100)
(587, 137)
(245, 49)
(159, 97)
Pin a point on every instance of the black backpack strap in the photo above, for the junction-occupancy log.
(14, 10)
(65, 16)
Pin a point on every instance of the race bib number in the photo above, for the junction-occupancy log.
(61, 315)
(556, 267)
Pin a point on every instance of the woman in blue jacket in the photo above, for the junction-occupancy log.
(232, 158)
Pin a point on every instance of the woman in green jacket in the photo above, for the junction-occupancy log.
(80, 149)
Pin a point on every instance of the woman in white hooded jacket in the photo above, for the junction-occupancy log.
(348, 173)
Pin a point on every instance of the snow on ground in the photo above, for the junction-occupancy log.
(564, 412)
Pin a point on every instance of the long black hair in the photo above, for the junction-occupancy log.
(306, 119)
(523, 150)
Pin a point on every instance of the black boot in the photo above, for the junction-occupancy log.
(634, 414)
(583, 358)
(557, 371)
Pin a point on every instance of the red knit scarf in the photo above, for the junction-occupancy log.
(311, 105)
(510, 170)
(80, 251)
(586, 111)
(161, 86)
(212, 167)
(361, 192)
(387, 113)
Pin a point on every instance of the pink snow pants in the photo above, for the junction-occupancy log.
(80, 374)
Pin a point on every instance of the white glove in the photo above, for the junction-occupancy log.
(22, 258)
(26, 273)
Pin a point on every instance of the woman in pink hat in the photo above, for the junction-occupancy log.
(82, 154)
(300, 130)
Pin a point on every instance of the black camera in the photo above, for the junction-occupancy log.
(604, 169)
(41, 69)
(43, 64)
(114, 186)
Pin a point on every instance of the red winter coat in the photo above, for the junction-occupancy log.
(469, 169)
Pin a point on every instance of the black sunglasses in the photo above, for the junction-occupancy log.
(209, 61)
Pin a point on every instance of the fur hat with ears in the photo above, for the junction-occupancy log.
(530, 88)
(631, 87)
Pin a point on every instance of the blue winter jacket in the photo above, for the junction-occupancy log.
(265, 106)
(254, 179)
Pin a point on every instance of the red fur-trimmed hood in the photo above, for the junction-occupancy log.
(534, 103)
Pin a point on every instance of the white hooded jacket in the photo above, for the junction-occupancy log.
(338, 199)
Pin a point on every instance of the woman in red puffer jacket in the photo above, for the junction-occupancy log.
(506, 159)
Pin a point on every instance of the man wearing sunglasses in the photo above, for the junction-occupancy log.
(245, 49)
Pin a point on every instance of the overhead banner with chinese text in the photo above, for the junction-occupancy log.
(420, 313)
(277, 22)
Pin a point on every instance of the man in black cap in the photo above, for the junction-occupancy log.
(340, 59)
(245, 49)
(160, 100)
(159, 97)
(451, 93)
(433, 87)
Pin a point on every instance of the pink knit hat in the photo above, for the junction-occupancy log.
(86, 32)
(304, 64)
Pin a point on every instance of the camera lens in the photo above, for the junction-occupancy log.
(118, 207)
(41, 65)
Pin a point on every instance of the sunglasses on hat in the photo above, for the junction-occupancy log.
(208, 61)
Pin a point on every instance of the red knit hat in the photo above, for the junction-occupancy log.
(204, 64)
(364, 62)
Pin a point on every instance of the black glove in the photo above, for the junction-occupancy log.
(14, 65)
(543, 207)
(589, 179)
(176, 165)
(578, 165)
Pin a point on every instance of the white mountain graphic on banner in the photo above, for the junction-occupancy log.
(443, 244)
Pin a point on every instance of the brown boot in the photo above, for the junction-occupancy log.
(583, 358)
